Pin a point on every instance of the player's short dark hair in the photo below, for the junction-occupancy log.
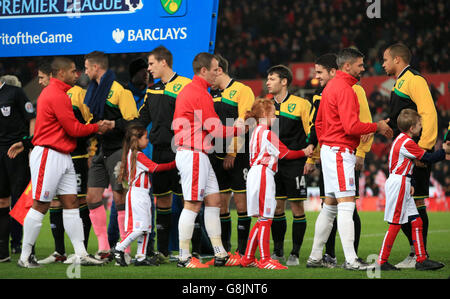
(162, 53)
(282, 71)
(45, 67)
(400, 50)
(328, 61)
(348, 55)
(223, 63)
(201, 60)
(60, 63)
(407, 118)
(98, 57)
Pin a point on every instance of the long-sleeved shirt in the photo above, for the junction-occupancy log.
(159, 107)
(364, 116)
(144, 166)
(195, 122)
(232, 103)
(56, 126)
(404, 150)
(337, 122)
(266, 148)
(411, 91)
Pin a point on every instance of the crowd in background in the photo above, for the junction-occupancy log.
(258, 34)
(254, 35)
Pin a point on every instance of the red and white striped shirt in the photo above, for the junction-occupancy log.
(403, 151)
(144, 166)
(266, 148)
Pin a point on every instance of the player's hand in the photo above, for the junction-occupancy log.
(15, 149)
(359, 163)
(365, 138)
(446, 147)
(411, 191)
(105, 125)
(384, 129)
(309, 168)
(228, 162)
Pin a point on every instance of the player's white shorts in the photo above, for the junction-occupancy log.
(399, 202)
(338, 170)
(261, 192)
(52, 173)
(138, 213)
(198, 178)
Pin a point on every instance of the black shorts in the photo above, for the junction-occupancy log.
(80, 163)
(166, 182)
(235, 179)
(290, 181)
(14, 174)
(421, 177)
(103, 171)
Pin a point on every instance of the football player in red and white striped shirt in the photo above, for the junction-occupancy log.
(400, 207)
(265, 150)
(136, 169)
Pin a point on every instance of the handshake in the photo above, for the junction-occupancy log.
(105, 125)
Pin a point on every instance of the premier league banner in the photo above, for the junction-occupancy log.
(72, 27)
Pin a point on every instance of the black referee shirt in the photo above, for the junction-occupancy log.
(16, 111)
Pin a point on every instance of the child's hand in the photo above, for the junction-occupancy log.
(308, 150)
(411, 191)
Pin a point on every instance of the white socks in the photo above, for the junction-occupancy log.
(129, 238)
(73, 225)
(213, 228)
(31, 228)
(186, 225)
(323, 227)
(346, 229)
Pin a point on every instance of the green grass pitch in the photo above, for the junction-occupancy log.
(373, 230)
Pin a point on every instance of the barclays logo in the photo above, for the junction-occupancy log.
(118, 35)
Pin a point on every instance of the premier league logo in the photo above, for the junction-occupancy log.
(134, 5)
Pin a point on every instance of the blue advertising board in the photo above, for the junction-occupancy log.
(73, 27)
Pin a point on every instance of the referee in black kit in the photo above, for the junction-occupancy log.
(17, 117)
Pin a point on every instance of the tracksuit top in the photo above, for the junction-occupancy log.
(195, 122)
(159, 107)
(232, 103)
(337, 121)
(411, 91)
(56, 126)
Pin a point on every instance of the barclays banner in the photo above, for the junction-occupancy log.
(72, 27)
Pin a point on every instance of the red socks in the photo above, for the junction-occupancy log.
(264, 238)
(252, 241)
(417, 236)
(259, 235)
(388, 242)
(391, 234)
